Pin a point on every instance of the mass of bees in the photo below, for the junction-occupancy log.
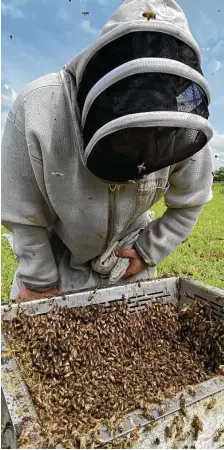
(87, 367)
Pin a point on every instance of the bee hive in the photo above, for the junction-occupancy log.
(99, 375)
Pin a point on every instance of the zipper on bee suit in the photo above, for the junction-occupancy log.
(112, 189)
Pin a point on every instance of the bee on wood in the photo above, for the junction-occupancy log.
(8, 308)
(218, 434)
(183, 407)
(157, 441)
(162, 409)
(92, 295)
(211, 403)
(149, 15)
(168, 432)
(197, 426)
(182, 435)
(191, 390)
(150, 426)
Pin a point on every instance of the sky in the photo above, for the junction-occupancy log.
(46, 34)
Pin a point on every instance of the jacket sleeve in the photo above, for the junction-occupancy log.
(26, 212)
(190, 187)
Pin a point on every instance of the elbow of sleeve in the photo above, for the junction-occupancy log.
(163, 235)
(37, 266)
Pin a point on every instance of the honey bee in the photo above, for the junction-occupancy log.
(182, 436)
(168, 432)
(197, 426)
(191, 390)
(211, 403)
(150, 426)
(162, 409)
(82, 442)
(141, 167)
(218, 434)
(149, 15)
(183, 407)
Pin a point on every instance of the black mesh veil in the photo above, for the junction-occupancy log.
(145, 92)
(138, 44)
(132, 152)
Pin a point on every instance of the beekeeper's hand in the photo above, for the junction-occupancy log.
(26, 294)
(136, 263)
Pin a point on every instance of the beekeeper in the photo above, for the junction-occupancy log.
(87, 151)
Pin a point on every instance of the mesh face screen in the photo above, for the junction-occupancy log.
(145, 92)
(139, 44)
(131, 153)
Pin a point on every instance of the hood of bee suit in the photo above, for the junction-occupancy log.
(141, 93)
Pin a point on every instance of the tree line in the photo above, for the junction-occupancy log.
(219, 175)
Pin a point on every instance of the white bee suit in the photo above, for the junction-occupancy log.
(62, 216)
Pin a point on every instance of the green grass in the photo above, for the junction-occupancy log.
(9, 265)
(200, 257)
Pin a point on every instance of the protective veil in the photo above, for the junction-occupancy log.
(141, 93)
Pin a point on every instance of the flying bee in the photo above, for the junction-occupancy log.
(141, 168)
(149, 15)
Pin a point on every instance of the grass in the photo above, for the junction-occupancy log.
(8, 266)
(200, 257)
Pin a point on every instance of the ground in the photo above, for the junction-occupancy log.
(200, 257)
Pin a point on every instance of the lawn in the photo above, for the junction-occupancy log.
(8, 267)
(200, 257)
